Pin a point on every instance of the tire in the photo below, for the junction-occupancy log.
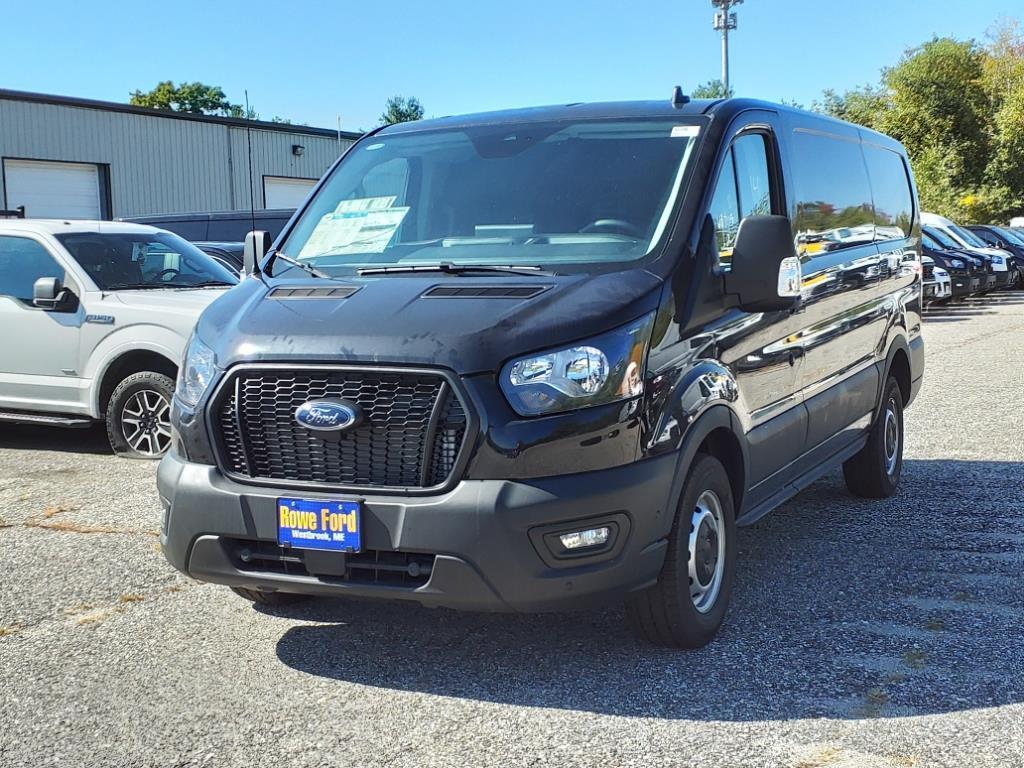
(672, 613)
(874, 472)
(259, 597)
(138, 416)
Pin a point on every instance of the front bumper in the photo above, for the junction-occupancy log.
(937, 289)
(485, 536)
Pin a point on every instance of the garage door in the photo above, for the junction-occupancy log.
(280, 192)
(54, 190)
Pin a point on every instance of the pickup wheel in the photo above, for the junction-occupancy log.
(139, 416)
(688, 604)
(874, 472)
(259, 597)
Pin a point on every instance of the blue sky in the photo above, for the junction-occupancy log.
(311, 61)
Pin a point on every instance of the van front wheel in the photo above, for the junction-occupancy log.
(688, 604)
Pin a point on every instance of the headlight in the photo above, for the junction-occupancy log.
(997, 259)
(196, 372)
(596, 371)
(956, 264)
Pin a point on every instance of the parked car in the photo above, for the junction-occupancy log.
(227, 254)
(966, 273)
(1007, 240)
(981, 260)
(999, 259)
(218, 226)
(937, 282)
(95, 317)
(486, 384)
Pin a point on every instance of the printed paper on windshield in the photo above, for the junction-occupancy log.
(364, 225)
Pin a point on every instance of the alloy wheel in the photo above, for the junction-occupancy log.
(146, 422)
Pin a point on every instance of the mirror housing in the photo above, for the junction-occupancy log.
(765, 273)
(257, 246)
(49, 293)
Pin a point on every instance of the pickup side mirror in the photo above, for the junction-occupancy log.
(49, 293)
(257, 245)
(765, 273)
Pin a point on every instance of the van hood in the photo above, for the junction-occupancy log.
(389, 321)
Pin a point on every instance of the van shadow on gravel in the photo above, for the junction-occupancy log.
(843, 608)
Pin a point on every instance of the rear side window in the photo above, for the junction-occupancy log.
(743, 189)
(890, 188)
(22, 262)
(834, 209)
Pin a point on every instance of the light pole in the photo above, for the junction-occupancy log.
(724, 20)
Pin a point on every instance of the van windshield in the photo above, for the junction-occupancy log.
(568, 196)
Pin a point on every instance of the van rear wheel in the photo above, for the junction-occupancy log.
(874, 472)
(688, 604)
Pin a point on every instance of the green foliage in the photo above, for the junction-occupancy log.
(400, 109)
(958, 108)
(712, 89)
(196, 98)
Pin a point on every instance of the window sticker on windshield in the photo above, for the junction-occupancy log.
(365, 225)
(685, 131)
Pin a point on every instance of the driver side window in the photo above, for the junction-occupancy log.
(742, 189)
(22, 262)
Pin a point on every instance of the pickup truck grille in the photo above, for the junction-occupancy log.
(411, 436)
(929, 271)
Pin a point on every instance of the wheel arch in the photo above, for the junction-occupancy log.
(126, 364)
(716, 432)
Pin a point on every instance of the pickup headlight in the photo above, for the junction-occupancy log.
(596, 371)
(196, 373)
(956, 264)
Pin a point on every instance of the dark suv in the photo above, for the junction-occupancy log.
(550, 358)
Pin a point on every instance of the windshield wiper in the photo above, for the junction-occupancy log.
(133, 286)
(200, 284)
(296, 263)
(458, 269)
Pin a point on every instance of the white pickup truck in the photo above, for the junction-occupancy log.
(94, 318)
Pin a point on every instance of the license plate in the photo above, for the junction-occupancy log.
(335, 526)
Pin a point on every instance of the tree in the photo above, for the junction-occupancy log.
(400, 109)
(712, 89)
(958, 108)
(196, 98)
(859, 105)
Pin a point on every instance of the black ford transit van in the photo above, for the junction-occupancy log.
(551, 358)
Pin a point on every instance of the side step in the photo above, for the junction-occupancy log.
(45, 419)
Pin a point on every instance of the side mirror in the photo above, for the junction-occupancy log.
(257, 245)
(48, 293)
(765, 273)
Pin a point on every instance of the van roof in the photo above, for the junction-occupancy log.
(722, 109)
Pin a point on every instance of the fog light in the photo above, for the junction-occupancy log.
(592, 537)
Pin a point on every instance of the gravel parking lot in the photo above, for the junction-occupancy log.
(861, 633)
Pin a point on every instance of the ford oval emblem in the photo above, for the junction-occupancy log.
(328, 415)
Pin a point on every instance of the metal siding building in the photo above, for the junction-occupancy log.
(150, 161)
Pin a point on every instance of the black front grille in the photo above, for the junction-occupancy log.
(371, 566)
(413, 428)
(929, 271)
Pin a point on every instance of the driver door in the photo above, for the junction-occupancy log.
(40, 347)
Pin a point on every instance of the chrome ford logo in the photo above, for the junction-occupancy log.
(328, 415)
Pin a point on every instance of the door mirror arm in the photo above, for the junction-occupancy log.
(50, 295)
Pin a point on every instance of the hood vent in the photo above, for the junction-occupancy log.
(318, 292)
(485, 291)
